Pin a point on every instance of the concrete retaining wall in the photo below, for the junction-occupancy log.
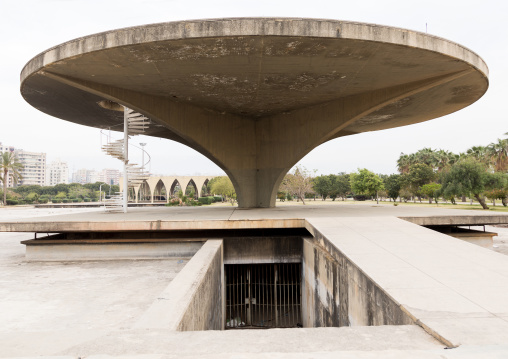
(335, 292)
(320, 289)
(194, 300)
(84, 252)
(256, 250)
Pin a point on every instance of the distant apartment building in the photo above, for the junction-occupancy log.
(34, 166)
(84, 176)
(109, 176)
(57, 172)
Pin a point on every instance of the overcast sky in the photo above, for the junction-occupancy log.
(29, 27)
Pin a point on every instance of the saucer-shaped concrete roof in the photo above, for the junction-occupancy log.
(266, 73)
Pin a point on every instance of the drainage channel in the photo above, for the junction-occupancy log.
(263, 295)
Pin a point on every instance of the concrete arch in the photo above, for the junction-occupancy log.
(205, 183)
(144, 192)
(169, 183)
(160, 192)
(173, 186)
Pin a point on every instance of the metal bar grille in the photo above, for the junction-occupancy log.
(263, 295)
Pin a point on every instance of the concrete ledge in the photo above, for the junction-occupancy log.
(456, 291)
(457, 220)
(194, 299)
(84, 252)
(41, 226)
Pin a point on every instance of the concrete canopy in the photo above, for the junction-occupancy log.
(255, 95)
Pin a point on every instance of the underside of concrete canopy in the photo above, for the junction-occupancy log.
(255, 95)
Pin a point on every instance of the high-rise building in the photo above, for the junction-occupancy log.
(80, 176)
(109, 176)
(57, 172)
(34, 166)
(85, 176)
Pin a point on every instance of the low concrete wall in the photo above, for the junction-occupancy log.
(84, 252)
(194, 300)
(335, 292)
(256, 250)
(321, 305)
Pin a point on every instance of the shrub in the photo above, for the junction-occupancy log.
(217, 198)
(43, 199)
(361, 197)
(65, 200)
(87, 200)
(206, 200)
(12, 202)
(75, 200)
(173, 202)
(193, 202)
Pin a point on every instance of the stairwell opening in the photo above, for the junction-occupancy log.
(263, 295)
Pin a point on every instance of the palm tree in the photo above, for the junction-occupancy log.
(9, 167)
(480, 154)
(403, 163)
(498, 155)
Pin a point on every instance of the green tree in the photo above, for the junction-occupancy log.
(223, 186)
(77, 190)
(32, 197)
(418, 175)
(466, 177)
(432, 191)
(392, 186)
(9, 167)
(365, 182)
(497, 187)
(61, 195)
(322, 186)
(341, 187)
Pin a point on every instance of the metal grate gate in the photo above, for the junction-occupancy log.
(263, 295)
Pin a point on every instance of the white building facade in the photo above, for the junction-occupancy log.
(109, 176)
(57, 172)
(34, 166)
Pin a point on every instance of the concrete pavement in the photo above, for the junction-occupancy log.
(455, 291)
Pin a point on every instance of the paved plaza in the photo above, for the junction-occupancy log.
(456, 292)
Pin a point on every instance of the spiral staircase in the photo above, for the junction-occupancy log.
(136, 124)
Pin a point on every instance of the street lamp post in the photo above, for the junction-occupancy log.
(143, 144)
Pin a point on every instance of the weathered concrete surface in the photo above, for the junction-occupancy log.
(321, 306)
(458, 220)
(88, 309)
(480, 238)
(284, 216)
(456, 291)
(336, 292)
(46, 308)
(256, 250)
(229, 87)
(194, 299)
(87, 252)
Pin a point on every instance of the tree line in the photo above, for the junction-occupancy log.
(60, 193)
(479, 173)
